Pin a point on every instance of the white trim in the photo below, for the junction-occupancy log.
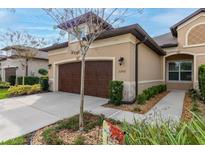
(190, 20)
(150, 81)
(187, 33)
(180, 52)
(200, 54)
(56, 64)
(194, 45)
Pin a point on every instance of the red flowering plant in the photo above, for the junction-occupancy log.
(116, 134)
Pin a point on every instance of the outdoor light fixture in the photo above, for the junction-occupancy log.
(49, 66)
(121, 60)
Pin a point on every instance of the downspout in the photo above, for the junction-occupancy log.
(136, 64)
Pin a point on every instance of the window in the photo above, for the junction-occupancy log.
(180, 71)
(72, 38)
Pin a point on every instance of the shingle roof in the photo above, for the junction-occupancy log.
(82, 19)
(40, 54)
(166, 40)
(135, 29)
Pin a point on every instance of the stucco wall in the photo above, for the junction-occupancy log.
(33, 66)
(150, 63)
(100, 49)
(197, 51)
(150, 68)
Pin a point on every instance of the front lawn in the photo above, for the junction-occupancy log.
(16, 141)
(3, 93)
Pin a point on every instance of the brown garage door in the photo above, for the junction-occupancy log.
(10, 72)
(97, 77)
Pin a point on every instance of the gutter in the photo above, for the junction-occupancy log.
(136, 64)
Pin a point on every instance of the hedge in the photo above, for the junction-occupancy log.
(44, 83)
(115, 92)
(150, 92)
(4, 84)
(201, 78)
(28, 80)
(24, 89)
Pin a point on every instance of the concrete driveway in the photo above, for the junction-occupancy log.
(22, 115)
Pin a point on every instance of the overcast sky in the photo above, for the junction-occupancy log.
(36, 22)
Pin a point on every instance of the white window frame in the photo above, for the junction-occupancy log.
(180, 61)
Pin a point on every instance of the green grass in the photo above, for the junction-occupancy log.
(17, 141)
(3, 93)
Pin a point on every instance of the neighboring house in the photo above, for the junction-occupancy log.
(13, 65)
(129, 54)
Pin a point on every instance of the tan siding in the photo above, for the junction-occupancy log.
(150, 67)
(179, 86)
(149, 64)
(124, 72)
(182, 36)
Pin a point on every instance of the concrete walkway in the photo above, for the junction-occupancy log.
(22, 115)
(25, 114)
(169, 108)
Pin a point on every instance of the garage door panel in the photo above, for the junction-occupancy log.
(97, 77)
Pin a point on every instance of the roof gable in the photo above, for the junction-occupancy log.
(174, 27)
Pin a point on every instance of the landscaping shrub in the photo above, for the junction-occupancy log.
(43, 71)
(44, 83)
(115, 92)
(80, 140)
(12, 80)
(50, 137)
(72, 123)
(29, 80)
(201, 78)
(166, 133)
(150, 92)
(142, 98)
(4, 84)
(24, 89)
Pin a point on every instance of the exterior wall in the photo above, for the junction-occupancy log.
(33, 66)
(150, 68)
(12, 63)
(106, 49)
(197, 51)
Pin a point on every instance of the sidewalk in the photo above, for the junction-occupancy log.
(168, 108)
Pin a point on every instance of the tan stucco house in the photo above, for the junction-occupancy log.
(12, 65)
(129, 54)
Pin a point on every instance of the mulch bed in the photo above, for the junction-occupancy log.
(91, 136)
(137, 108)
(186, 114)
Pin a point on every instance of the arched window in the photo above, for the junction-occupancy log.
(196, 35)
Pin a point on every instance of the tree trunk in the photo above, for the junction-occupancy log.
(81, 126)
(26, 67)
(26, 74)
